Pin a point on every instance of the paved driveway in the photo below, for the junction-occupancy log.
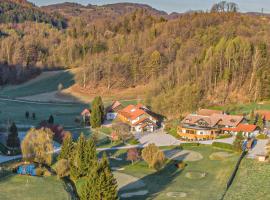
(259, 148)
(159, 139)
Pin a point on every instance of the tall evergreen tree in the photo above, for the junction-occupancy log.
(97, 114)
(13, 139)
(107, 181)
(67, 148)
(77, 165)
(90, 156)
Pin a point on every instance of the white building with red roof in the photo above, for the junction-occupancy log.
(138, 117)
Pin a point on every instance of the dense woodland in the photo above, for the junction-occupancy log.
(196, 59)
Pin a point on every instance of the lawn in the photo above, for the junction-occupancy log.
(252, 182)
(204, 179)
(43, 85)
(243, 108)
(32, 188)
(64, 114)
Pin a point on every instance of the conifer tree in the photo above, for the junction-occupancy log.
(107, 181)
(67, 148)
(91, 187)
(97, 114)
(77, 165)
(13, 139)
(90, 156)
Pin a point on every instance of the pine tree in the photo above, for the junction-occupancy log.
(91, 187)
(107, 181)
(77, 165)
(13, 139)
(67, 148)
(97, 114)
(51, 120)
(90, 156)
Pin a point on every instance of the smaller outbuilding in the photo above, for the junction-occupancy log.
(111, 111)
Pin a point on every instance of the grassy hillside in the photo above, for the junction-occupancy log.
(41, 85)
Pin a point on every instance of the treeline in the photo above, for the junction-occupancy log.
(14, 74)
(13, 12)
(197, 59)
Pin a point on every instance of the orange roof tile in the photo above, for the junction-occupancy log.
(242, 128)
(132, 112)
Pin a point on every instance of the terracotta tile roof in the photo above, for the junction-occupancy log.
(228, 120)
(264, 113)
(208, 112)
(132, 112)
(242, 128)
(213, 120)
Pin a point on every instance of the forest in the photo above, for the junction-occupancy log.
(197, 59)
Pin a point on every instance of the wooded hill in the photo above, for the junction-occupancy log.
(196, 59)
(18, 11)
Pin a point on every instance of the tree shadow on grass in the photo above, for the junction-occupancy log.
(154, 183)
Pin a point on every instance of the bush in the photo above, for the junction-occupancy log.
(39, 171)
(223, 145)
(181, 165)
(47, 173)
(262, 137)
(191, 144)
(133, 141)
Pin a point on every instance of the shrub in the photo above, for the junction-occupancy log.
(192, 144)
(62, 168)
(39, 171)
(181, 165)
(223, 145)
(47, 173)
(133, 141)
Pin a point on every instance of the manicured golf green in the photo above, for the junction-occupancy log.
(32, 188)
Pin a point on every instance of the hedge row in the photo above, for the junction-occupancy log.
(191, 144)
(223, 145)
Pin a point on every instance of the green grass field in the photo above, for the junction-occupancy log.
(252, 182)
(49, 84)
(32, 188)
(172, 180)
(64, 114)
(243, 108)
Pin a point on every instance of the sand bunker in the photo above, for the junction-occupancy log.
(177, 194)
(118, 169)
(220, 155)
(132, 194)
(195, 175)
(127, 182)
(183, 155)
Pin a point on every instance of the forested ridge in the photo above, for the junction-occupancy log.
(197, 59)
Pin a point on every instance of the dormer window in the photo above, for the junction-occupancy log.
(133, 110)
